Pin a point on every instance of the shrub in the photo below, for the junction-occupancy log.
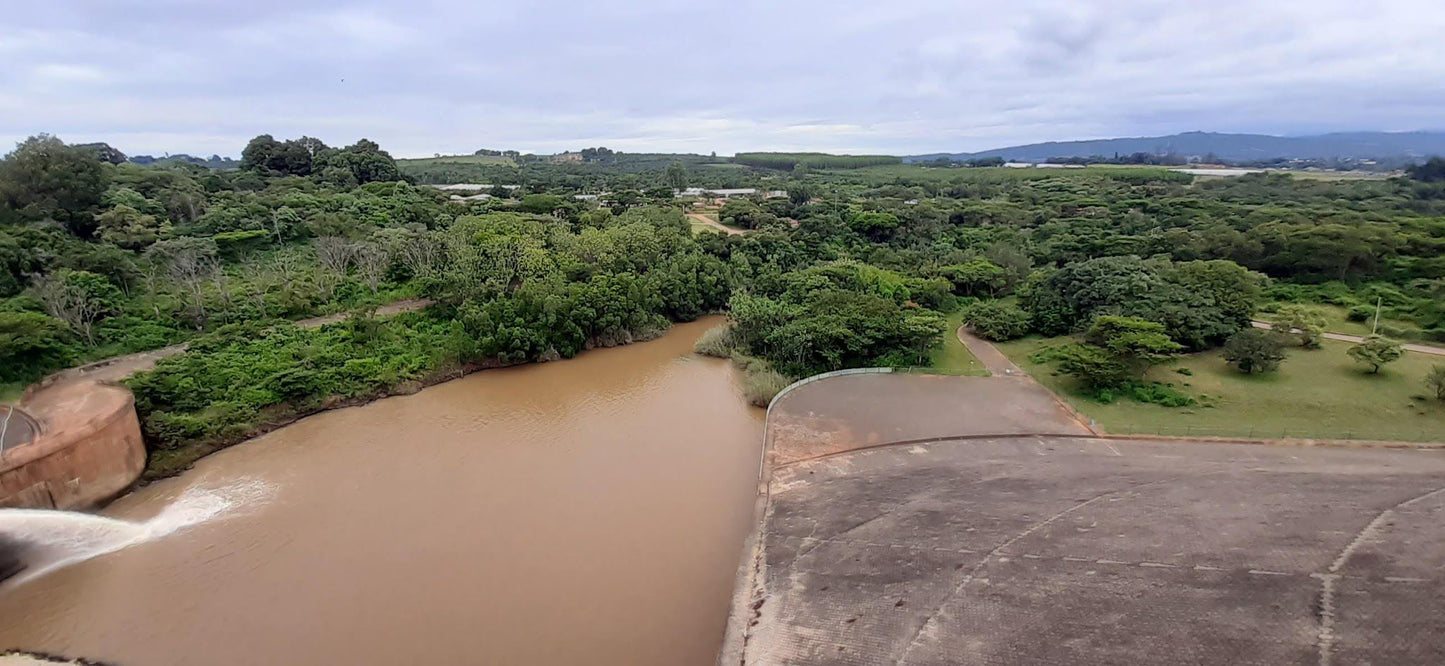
(718, 342)
(997, 321)
(1435, 380)
(1375, 351)
(1254, 350)
(1096, 368)
(1360, 313)
(761, 383)
(1302, 324)
(1154, 393)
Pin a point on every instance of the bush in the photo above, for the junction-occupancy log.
(1254, 350)
(1360, 313)
(761, 383)
(1304, 325)
(1154, 393)
(31, 344)
(718, 342)
(1096, 368)
(993, 320)
(1435, 380)
(1375, 351)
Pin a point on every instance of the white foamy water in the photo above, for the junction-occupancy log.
(50, 539)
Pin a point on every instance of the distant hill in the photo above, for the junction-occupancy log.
(1232, 147)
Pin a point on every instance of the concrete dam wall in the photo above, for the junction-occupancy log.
(87, 449)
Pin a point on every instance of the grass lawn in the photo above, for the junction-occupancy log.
(1337, 322)
(1315, 394)
(953, 358)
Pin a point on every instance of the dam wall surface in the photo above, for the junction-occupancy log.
(88, 448)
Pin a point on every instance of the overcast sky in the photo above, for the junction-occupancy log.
(899, 77)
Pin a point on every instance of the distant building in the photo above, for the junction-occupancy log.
(470, 186)
(719, 194)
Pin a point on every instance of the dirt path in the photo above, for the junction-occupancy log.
(705, 220)
(1410, 346)
(989, 355)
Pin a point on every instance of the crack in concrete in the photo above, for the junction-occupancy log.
(973, 572)
(1328, 607)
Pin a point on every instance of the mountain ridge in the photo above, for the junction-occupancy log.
(1225, 146)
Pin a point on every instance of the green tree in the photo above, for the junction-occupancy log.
(1136, 343)
(975, 277)
(800, 192)
(1254, 350)
(1375, 351)
(676, 176)
(129, 228)
(78, 298)
(1094, 367)
(1301, 323)
(45, 179)
(1435, 380)
(31, 344)
(993, 320)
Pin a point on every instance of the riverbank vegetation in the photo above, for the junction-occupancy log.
(849, 261)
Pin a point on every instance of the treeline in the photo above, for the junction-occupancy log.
(100, 258)
(510, 288)
(792, 161)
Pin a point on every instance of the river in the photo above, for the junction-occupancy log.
(583, 511)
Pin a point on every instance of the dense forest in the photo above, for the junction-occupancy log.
(858, 265)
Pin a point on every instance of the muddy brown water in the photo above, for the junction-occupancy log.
(584, 511)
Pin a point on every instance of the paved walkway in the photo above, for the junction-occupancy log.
(1408, 346)
(994, 360)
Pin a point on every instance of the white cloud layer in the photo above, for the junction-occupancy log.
(152, 76)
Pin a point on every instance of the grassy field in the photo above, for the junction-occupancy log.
(1336, 322)
(458, 159)
(1315, 394)
(953, 358)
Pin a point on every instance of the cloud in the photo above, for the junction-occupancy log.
(841, 75)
